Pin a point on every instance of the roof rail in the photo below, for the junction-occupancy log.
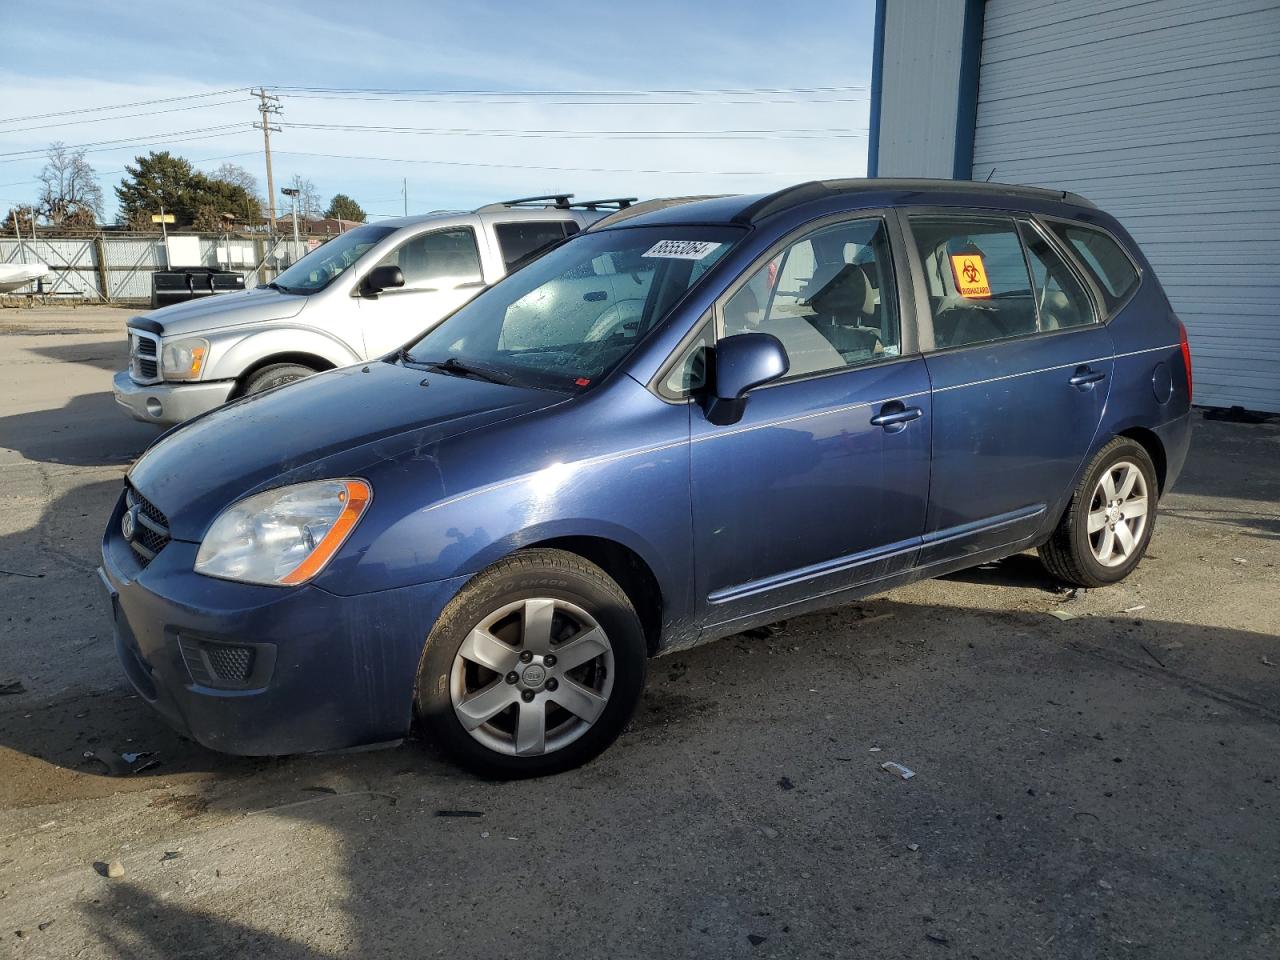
(611, 203)
(817, 189)
(647, 206)
(558, 200)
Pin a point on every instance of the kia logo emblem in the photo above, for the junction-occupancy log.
(128, 524)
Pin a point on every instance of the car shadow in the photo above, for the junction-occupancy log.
(1019, 570)
(105, 355)
(90, 430)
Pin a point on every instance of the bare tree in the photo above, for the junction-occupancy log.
(310, 204)
(69, 192)
(237, 176)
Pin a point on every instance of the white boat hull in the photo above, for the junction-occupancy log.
(16, 275)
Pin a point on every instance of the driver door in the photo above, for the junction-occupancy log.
(441, 272)
(823, 483)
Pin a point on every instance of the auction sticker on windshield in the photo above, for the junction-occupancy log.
(681, 249)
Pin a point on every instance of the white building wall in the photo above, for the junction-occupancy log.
(918, 94)
(1167, 115)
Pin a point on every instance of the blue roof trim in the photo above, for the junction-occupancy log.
(877, 72)
(966, 88)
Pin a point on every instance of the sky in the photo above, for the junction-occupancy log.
(767, 94)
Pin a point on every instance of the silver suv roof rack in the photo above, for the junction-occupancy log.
(611, 203)
(560, 201)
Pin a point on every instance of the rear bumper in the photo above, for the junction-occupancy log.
(329, 672)
(169, 403)
(1175, 436)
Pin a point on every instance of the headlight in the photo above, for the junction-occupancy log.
(283, 536)
(183, 359)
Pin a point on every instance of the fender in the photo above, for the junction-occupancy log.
(234, 351)
(478, 507)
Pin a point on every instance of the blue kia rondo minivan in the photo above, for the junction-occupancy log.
(691, 419)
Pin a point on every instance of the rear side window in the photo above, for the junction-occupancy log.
(1061, 299)
(979, 287)
(1110, 266)
(526, 238)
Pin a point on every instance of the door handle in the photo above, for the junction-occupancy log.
(1085, 376)
(593, 295)
(895, 415)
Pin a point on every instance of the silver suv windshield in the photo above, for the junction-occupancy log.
(567, 319)
(322, 266)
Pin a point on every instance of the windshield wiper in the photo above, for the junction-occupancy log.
(278, 286)
(466, 368)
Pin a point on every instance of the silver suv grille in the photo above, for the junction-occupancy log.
(144, 359)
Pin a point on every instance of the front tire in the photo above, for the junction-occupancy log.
(533, 668)
(1107, 526)
(276, 375)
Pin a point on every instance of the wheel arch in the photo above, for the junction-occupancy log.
(1151, 442)
(302, 358)
(628, 569)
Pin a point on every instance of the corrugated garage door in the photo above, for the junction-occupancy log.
(1167, 114)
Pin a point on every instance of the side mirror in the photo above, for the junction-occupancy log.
(384, 277)
(742, 363)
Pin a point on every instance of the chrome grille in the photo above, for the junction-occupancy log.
(144, 359)
(150, 526)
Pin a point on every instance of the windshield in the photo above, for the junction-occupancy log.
(570, 317)
(318, 268)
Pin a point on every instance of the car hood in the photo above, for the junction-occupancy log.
(225, 310)
(337, 423)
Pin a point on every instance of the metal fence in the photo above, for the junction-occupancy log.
(110, 268)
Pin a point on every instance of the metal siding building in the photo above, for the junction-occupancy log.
(1166, 114)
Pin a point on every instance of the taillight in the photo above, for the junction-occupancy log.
(1186, 357)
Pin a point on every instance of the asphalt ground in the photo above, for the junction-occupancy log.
(1099, 786)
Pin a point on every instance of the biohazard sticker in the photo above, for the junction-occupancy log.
(681, 249)
(971, 276)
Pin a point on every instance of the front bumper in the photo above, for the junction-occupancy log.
(169, 403)
(341, 671)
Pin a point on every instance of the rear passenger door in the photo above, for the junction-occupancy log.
(822, 483)
(1020, 367)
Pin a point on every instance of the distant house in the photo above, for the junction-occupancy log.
(321, 227)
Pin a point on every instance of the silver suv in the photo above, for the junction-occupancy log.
(361, 295)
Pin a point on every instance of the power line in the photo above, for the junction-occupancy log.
(352, 98)
(121, 116)
(151, 140)
(669, 91)
(832, 133)
(525, 166)
(123, 106)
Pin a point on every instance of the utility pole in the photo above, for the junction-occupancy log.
(267, 106)
(406, 196)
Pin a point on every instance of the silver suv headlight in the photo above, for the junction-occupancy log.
(285, 536)
(183, 359)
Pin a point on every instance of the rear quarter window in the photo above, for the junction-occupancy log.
(1103, 257)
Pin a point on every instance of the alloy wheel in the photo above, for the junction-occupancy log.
(532, 677)
(1118, 513)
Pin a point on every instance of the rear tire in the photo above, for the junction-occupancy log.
(276, 375)
(533, 668)
(1108, 524)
